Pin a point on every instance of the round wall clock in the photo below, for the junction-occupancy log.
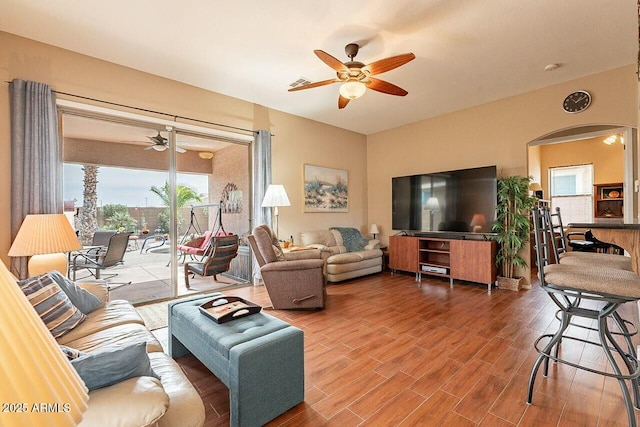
(577, 101)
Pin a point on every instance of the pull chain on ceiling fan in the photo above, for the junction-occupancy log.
(356, 77)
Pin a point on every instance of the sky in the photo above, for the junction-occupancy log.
(130, 187)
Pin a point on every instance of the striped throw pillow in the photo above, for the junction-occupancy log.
(52, 304)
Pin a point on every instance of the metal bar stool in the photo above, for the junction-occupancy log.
(570, 287)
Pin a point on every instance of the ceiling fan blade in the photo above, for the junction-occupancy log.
(342, 102)
(316, 84)
(149, 147)
(331, 61)
(385, 87)
(180, 150)
(387, 64)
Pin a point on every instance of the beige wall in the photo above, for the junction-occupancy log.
(296, 140)
(607, 160)
(494, 133)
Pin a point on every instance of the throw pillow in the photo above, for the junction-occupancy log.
(52, 305)
(71, 353)
(81, 298)
(110, 365)
(279, 254)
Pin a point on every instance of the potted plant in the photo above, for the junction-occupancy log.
(512, 227)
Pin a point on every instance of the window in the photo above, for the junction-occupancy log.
(572, 191)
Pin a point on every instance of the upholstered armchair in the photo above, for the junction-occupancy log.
(293, 280)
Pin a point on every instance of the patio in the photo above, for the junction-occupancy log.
(150, 275)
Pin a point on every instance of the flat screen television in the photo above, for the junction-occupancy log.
(459, 201)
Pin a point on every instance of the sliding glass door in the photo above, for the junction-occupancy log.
(162, 187)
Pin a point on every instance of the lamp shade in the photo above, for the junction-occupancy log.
(432, 204)
(44, 234)
(374, 229)
(33, 370)
(276, 195)
(534, 186)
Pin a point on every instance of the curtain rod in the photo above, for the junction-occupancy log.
(174, 116)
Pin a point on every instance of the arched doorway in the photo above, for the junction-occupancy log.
(609, 149)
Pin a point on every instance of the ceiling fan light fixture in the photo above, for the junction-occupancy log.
(353, 89)
(159, 147)
(205, 155)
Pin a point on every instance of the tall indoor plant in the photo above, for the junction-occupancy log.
(512, 227)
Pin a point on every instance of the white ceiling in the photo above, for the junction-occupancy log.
(468, 52)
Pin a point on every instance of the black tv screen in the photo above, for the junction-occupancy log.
(453, 201)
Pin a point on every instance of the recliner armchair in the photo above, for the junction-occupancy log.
(293, 280)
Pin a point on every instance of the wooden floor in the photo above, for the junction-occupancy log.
(385, 352)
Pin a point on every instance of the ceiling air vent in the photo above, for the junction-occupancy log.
(300, 82)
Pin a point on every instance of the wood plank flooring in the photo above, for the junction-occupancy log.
(385, 352)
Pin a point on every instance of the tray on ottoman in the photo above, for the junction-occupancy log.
(225, 308)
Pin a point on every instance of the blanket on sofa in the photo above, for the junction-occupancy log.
(352, 239)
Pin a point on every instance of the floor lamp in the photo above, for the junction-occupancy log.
(275, 197)
(43, 238)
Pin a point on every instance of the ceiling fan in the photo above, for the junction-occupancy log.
(356, 77)
(160, 143)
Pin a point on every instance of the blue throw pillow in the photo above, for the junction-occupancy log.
(111, 365)
(81, 298)
(52, 305)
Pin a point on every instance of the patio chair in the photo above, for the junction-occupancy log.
(102, 237)
(225, 248)
(98, 259)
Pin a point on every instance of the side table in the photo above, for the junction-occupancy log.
(385, 257)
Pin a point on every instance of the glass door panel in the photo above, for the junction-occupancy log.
(116, 180)
(213, 193)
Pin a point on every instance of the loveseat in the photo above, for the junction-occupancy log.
(167, 401)
(347, 254)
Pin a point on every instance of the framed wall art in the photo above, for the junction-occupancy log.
(325, 189)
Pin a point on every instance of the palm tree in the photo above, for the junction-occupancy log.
(184, 196)
(89, 212)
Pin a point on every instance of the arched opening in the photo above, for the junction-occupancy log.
(561, 162)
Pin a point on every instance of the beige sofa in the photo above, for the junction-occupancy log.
(140, 401)
(339, 263)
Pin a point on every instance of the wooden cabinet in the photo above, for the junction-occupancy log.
(608, 200)
(474, 260)
(403, 253)
(468, 260)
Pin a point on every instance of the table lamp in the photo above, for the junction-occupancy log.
(44, 237)
(478, 222)
(374, 230)
(432, 206)
(275, 197)
(537, 190)
(33, 370)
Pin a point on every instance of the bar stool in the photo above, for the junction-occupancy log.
(568, 286)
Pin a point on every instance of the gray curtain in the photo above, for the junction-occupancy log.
(261, 180)
(36, 169)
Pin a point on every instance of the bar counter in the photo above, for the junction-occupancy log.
(624, 233)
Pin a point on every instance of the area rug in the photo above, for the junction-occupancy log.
(154, 315)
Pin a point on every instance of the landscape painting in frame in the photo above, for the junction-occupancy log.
(325, 189)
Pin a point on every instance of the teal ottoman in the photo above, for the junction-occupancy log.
(259, 358)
